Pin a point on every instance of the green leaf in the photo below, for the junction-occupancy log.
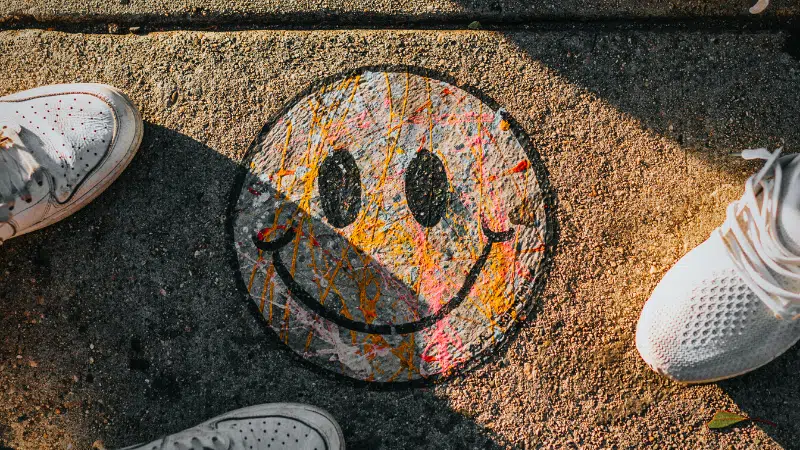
(723, 419)
(474, 25)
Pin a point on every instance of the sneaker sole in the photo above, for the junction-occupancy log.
(716, 379)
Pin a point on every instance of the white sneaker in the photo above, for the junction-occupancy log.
(277, 426)
(60, 147)
(730, 305)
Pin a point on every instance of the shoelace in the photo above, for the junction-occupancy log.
(18, 168)
(751, 234)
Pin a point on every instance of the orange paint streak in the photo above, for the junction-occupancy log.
(253, 272)
(282, 173)
(405, 356)
(324, 296)
(264, 289)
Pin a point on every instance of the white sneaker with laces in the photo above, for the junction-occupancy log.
(730, 305)
(60, 147)
(277, 426)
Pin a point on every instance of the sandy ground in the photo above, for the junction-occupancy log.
(124, 322)
(386, 12)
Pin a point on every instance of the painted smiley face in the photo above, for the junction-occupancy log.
(390, 227)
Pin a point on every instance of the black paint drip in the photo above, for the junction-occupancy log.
(427, 188)
(339, 185)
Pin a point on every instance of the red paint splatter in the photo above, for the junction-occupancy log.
(521, 167)
(416, 119)
(446, 91)
(476, 141)
(422, 107)
(369, 315)
(253, 191)
(266, 231)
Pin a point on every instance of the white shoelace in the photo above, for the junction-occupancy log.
(750, 233)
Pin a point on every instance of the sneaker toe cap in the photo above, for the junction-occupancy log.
(703, 323)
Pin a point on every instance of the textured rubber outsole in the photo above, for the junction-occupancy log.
(334, 438)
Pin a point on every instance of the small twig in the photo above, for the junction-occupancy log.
(768, 422)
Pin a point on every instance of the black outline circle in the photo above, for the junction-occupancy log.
(533, 293)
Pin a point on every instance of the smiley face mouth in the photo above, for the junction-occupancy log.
(300, 294)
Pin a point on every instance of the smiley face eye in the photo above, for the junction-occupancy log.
(427, 188)
(339, 184)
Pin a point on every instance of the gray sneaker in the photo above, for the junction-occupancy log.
(60, 147)
(275, 426)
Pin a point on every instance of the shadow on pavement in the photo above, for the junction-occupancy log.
(128, 323)
(771, 393)
(709, 91)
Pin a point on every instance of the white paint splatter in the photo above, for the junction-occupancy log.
(348, 355)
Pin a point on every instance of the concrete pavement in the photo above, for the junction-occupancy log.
(381, 12)
(125, 322)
